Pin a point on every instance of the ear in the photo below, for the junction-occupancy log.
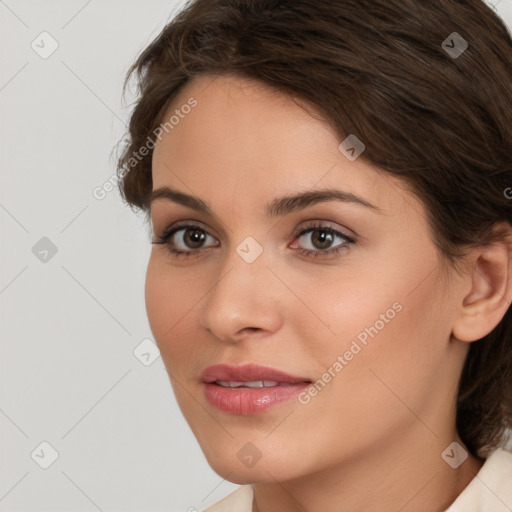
(489, 297)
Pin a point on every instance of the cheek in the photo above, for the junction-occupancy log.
(343, 308)
(167, 306)
(383, 360)
(157, 297)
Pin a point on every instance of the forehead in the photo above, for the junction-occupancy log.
(242, 137)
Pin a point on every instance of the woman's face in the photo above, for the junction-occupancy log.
(369, 322)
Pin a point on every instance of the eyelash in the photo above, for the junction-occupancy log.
(163, 239)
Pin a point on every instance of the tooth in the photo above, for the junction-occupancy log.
(254, 384)
(250, 384)
(235, 383)
(230, 383)
(261, 383)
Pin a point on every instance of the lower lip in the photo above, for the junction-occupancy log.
(246, 401)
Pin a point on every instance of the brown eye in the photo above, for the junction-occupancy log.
(193, 238)
(189, 238)
(185, 240)
(321, 239)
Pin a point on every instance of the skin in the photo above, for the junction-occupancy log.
(372, 438)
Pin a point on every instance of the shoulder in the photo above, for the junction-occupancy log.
(491, 489)
(238, 501)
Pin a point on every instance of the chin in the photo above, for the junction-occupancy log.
(231, 466)
(242, 478)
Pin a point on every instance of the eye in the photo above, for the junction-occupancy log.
(319, 239)
(185, 240)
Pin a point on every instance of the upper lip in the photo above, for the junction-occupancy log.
(248, 373)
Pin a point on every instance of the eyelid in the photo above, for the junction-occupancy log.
(322, 224)
(191, 223)
(167, 222)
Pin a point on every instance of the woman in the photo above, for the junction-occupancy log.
(328, 186)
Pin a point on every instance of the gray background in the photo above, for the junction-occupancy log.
(73, 371)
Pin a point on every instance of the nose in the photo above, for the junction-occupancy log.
(246, 300)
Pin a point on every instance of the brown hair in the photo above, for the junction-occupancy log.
(380, 69)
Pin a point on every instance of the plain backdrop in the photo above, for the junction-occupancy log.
(88, 420)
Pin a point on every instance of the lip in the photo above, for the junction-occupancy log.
(248, 373)
(244, 400)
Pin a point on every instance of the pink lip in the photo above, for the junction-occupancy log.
(247, 373)
(244, 400)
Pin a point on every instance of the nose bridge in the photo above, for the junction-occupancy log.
(244, 296)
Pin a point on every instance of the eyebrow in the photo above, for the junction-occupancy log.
(277, 207)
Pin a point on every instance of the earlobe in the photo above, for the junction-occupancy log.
(483, 307)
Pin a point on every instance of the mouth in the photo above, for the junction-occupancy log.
(249, 389)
